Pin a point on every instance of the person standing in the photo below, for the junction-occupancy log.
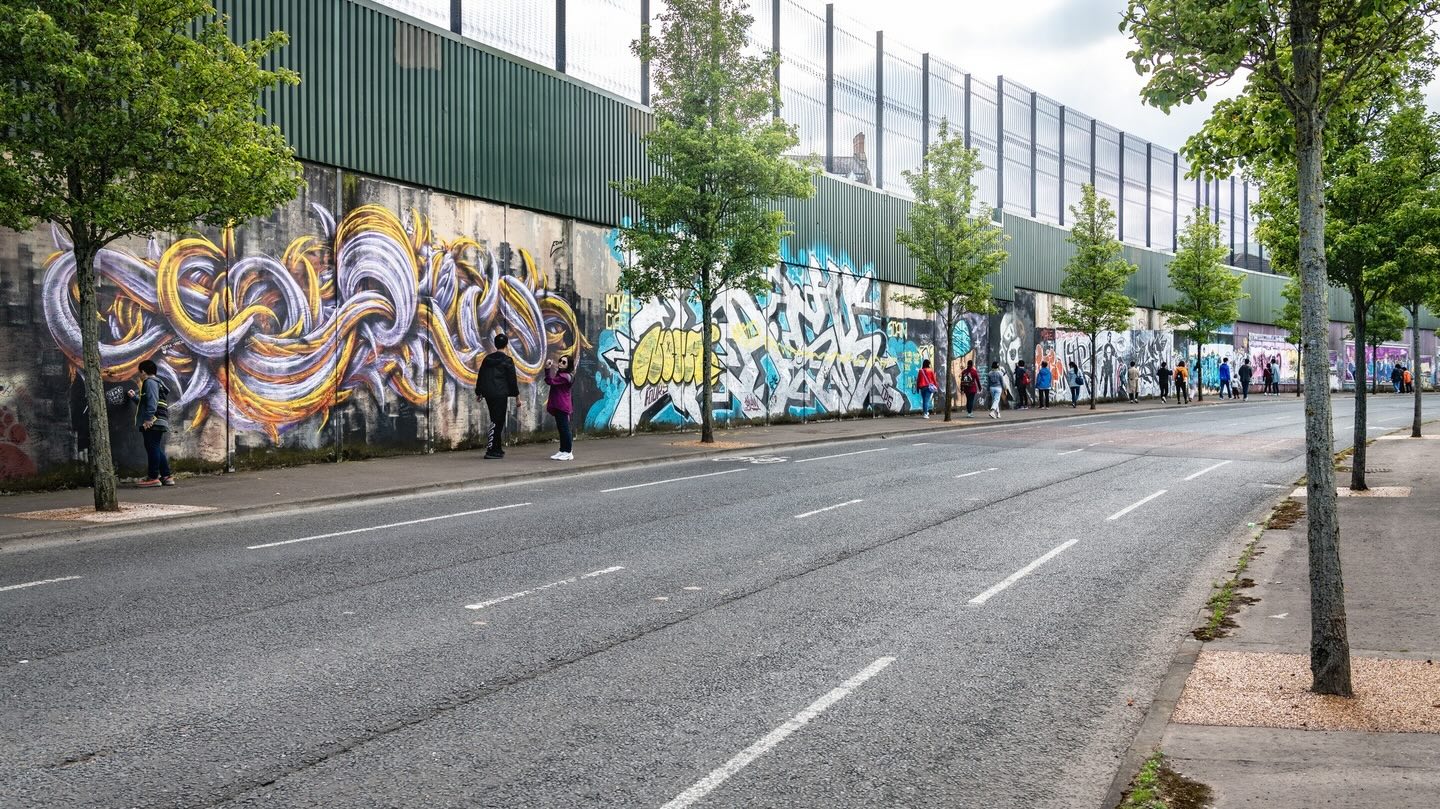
(926, 386)
(1247, 373)
(1162, 377)
(1397, 377)
(970, 384)
(1409, 380)
(495, 383)
(1265, 379)
(1224, 386)
(559, 406)
(1132, 383)
(1077, 381)
(1182, 383)
(1044, 380)
(1022, 386)
(153, 419)
(1275, 375)
(996, 380)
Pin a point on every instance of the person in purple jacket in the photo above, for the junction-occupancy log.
(559, 406)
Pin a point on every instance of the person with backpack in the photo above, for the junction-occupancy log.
(153, 419)
(926, 386)
(1225, 379)
(970, 384)
(1265, 379)
(1409, 381)
(1247, 373)
(996, 380)
(1132, 383)
(1162, 377)
(558, 405)
(495, 383)
(1182, 383)
(1022, 386)
(1044, 379)
(1077, 381)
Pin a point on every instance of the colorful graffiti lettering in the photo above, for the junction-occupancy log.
(367, 304)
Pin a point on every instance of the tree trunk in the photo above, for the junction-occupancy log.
(1357, 458)
(1198, 374)
(1329, 646)
(1299, 379)
(1094, 380)
(949, 352)
(707, 416)
(1415, 366)
(102, 464)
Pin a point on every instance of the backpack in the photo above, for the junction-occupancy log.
(1023, 377)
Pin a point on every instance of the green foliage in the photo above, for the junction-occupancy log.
(955, 249)
(135, 117)
(1096, 275)
(1209, 293)
(1287, 317)
(708, 222)
(1386, 324)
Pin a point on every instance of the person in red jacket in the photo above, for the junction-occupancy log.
(970, 383)
(926, 385)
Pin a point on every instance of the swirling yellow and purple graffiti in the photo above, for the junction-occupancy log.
(368, 304)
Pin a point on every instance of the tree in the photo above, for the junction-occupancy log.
(1386, 324)
(1419, 284)
(1209, 294)
(125, 119)
(1095, 276)
(1287, 317)
(955, 250)
(707, 218)
(1302, 57)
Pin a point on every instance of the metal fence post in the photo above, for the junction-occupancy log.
(967, 112)
(1062, 165)
(644, 63)
(1149, 179)
(1246, 222)
(830, 87)
(1232, 220)
(1175, 203)
(775, 46)
(1093, 152)
(879, 109)
(455, 16)
(1120, 193)
(1000, 142)
(560, 36)
(1034, 154)
(924, 108)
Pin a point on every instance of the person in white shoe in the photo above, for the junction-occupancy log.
(558, 405)
(996, 380)
(926, 385)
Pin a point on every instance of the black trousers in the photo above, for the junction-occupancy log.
(499, 410)
(156, 464)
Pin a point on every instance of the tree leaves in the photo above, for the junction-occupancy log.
(1209, 293)
(1096, 275)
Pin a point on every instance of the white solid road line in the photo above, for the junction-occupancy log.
(38, 583)
(1208, 469)
(387, 525)
(1126, 510)
(719, 775)
(502, 599)
(1021, 573)
(827, 508)
(842, 455)
(1073, 451)
(978, 472)
(670, 480)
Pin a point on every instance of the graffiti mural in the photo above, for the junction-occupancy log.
(1379, 362)
(367, 303)
(1263, 348)
(816, 342)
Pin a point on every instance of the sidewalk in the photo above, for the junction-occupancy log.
(1246, 724)
(204, 496)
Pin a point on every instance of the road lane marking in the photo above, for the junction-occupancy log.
(533, 590)
(1073, 451)
(1126, 510)
(670, 480)
(38, 583)
(842, 455)
(827, 508)
(1098, 443)
(387, 525)
(1142, 418)
(1021, 573)
(921, 444)
(978, 472)
(720, 774)
(1207, 469)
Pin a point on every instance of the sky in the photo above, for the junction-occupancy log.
(1070, 50)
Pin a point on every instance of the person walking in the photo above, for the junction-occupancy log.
(1247, 373)
(926, 385)
(1225, 379)
(1397, 377)
(1077, 381)
(559, 406)
(1275, 376)
(1182, 383)
(1044, 380)
(996, 380)
(495, 383)
(1132, 383)
(970, 384)
(1162, 376)
(1265, 379)
(153, 419)
(1022, 386)
(1409, 380)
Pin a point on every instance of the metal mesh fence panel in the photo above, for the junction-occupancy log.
(1162, 202)
(1017, 148)
(525, 28)
(1135, 210)
(904, 87)
(855, 104)
(947, 97)
(598, 34)
(435, 12)
(1077, 159)
(982, 136)
(1107, 164)
(1047, 159)
(802, 75)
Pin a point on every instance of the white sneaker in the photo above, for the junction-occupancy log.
(927, 415)
(566, 456)
(557, 456)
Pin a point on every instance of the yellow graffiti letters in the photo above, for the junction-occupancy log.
(671, 356)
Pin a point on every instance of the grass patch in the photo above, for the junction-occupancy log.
(1227, 600)
(1157, 786)
(1286, 515)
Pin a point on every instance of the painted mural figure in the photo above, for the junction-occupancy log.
(559, 404)
(496, 384)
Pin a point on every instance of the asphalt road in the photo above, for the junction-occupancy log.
(971, 619)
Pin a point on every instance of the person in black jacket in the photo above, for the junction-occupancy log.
(495, 384)
(1247, 373)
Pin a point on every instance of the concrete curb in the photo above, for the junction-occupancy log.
(88, 533)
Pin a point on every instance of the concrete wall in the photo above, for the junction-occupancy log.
(356, 315)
